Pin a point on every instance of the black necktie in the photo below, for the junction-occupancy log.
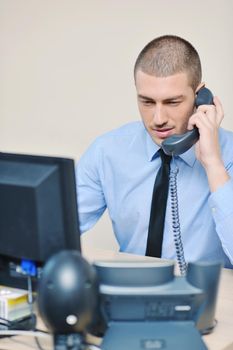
(158, 208)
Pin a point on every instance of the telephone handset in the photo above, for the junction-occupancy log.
(178, 144)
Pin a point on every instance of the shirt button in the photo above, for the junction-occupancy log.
(213, 209)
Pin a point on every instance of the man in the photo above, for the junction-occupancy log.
(118, 170)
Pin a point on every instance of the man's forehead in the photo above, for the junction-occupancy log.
(162, 87)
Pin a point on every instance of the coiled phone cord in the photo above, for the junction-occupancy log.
(176, 221)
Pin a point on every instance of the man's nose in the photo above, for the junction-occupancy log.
(160, 116)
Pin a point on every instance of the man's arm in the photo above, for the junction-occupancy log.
(208, 151)
(91, 200)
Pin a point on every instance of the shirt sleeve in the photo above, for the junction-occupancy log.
(90, 196)
(221, 204)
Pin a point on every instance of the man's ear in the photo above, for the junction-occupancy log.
(201, 85)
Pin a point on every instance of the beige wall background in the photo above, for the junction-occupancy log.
(66, 69)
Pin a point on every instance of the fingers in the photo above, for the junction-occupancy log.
(209, 116)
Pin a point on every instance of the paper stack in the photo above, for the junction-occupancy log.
(13, 303)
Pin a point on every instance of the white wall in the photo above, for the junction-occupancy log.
(66, 68)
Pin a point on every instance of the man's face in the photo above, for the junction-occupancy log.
(165, 104)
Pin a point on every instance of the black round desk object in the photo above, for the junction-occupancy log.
(67, 298)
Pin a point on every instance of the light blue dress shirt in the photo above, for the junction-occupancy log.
(118, 171)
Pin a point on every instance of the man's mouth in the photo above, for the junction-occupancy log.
(163, 133)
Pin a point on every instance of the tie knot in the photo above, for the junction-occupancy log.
(164, 157)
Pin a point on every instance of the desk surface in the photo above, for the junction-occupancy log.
(220, 339)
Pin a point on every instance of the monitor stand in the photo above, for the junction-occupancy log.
(167, 335)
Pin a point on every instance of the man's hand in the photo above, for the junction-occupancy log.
(207, 119)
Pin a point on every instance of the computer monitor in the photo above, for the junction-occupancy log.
(38, 213)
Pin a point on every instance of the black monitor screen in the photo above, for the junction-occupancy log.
(38, 212)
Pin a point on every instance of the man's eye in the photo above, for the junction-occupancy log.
(147, 102)
(173, 103)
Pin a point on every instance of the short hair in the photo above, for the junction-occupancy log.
(168, 55)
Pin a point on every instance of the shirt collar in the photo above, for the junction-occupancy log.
(152, 148)
(189, 156)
